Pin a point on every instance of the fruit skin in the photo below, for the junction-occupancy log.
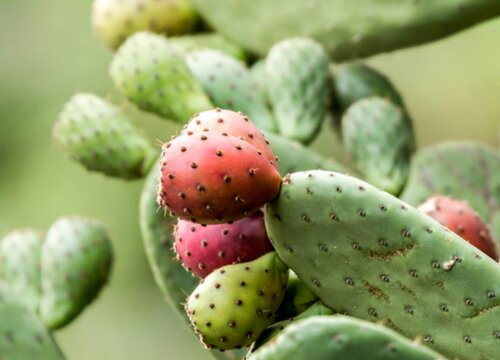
(212, 178)
(462, 170)
(460, 218)
(341, 337)
(229, 84)
(233, 305)
(378, 141)
(76, 261)
(23, 334)
(298, 87)
(298, 298)
(370, 255)
(99, 136)
(115, 20)
(203, 249)
(231, 123)
(20, 265)
(189, 43)
(153, 74)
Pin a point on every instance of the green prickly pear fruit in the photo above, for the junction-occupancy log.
(20, 265)
(23, 334)
(76, 261)
(100, 137)
(229, 84)
(341, 337)
(154, 76)
(298, 87)
(366, 253)
(234, 304)
(298, 297)
(189, 43)
(115, 20)
(378, 141)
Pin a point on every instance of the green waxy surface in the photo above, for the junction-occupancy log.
(99, 136)
(298, 297)
(293, 156)
(189, 43)
(22, 334)
(372, 256)
(235, 303)
(75, 262)
(115, 20)
(347, 29)
(341, 337)
(298, 87)
(153, 75)
(230, 86)
(378, 141)
(20, 265)
(462, 170)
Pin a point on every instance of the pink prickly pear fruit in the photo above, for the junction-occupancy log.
(234, 124)
(459, 217)
(213, 178)
(203, 249)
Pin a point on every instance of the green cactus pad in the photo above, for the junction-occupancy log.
(298, 297)
(372, 256)
(347, 29)
(189, 43)
(293, 156)
(23, 336)
(230, 86)
(76, 261)
(341, 337)
(355, 81)
(99, 136)
(235, 303)
(378, 141)
(461, 170)
(115, 20)
(154, 76)
(297, 75)
(259, 77)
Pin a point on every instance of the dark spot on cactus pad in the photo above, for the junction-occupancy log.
(467, 339)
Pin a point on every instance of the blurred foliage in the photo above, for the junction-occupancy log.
(48, 52)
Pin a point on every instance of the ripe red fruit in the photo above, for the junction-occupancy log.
(202, 249)
(213, 178)
(460, 218)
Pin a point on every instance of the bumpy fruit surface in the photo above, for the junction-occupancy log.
(215, 178)
(115, 20)
(460, 218)
(234, 304)
(202, 249)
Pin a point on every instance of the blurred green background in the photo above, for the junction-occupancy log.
(48, 52)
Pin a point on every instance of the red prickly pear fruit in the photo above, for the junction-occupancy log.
(203, 249)
(460, 218)
(212, 178)
(234, 124)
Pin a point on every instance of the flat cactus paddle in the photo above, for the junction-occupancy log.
(372, 256)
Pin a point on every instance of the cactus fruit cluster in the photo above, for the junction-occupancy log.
(256, 240)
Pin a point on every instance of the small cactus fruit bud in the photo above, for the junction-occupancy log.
(460, 218)
(202, 249)
(233, 305)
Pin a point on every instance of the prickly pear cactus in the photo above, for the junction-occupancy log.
(298, 297)
(115, 20)
(100, 137)
(347, 30)
(189, 43)
(23, 334)
(378, 141)
(234, 304)
(341, 337)
(229, 84)
(75, 264)
(19, 265)
(462, 170)
(298, 87)
(372, 256)
(154, 76)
